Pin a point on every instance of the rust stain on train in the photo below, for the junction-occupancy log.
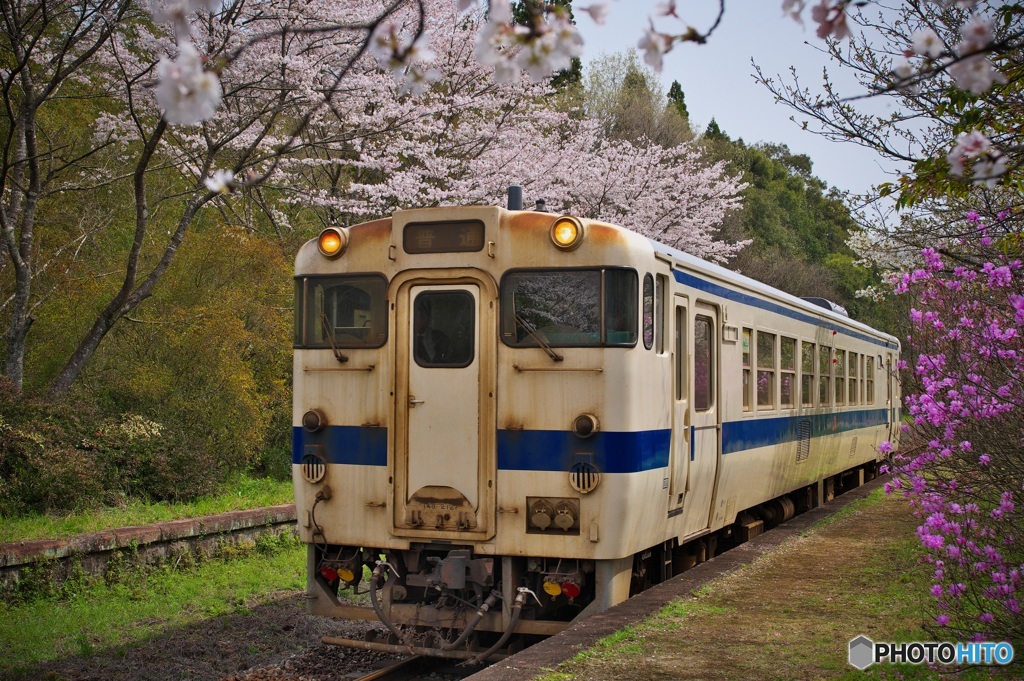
(376, 231)
(597, 232)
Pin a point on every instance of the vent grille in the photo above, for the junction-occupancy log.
(853, 446)
(584, 477)
(803, 444)
(313, 468)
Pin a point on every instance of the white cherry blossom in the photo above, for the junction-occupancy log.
(989, 168)
(904, 71)
(794, 10)
(598, 12)
(666, 9)
(975, 74)
(187, 92)
(977, 34)
(220, 182)
(654, 46)
(927, 42)
(831, 20)
(968, 145)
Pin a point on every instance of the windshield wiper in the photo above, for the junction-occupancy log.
(533, 333)
(330, 339)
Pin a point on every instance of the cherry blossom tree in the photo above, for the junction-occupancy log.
(345, 111)
(246, 83)
(470, 137)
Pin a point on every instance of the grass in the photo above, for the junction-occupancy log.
(789, 614)
(243, 493)
(144, 604)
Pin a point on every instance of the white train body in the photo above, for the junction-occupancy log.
(585, 419)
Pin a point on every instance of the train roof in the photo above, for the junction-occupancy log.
(734, 280)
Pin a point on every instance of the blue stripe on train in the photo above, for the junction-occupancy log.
(557, 450)
(752, 433)
(344, 444)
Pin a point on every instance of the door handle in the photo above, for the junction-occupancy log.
(413, 401)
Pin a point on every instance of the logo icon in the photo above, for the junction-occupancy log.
(862, 652)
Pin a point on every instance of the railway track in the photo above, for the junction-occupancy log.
(419, 667)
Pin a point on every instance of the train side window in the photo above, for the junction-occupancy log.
(824, 376)
(787, 373)
(747, 334)
(765, 370)
(703, 363)
(869, 379)
(863, 380)
(853, 379)
(660, 307)
(840, 367)
(680, 352)
(807, 374)
(620, 307)
(649, 308)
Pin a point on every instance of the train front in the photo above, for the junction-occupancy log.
(424, 368)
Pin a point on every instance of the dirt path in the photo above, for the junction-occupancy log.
(789, 614)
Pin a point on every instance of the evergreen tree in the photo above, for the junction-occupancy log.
(715, 133)
(677, 99)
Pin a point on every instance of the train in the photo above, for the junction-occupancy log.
(507, 420)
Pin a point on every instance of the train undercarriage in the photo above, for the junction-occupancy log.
(442, 600)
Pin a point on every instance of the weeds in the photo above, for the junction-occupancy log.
(127, 574)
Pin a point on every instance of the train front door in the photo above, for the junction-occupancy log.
(702, 473)
(443, 453)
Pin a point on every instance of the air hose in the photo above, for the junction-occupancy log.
(471, 625)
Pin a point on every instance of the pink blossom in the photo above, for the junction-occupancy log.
(831, 20)
(598, 12)
(927, 42)
(654, 45)
(187, 92)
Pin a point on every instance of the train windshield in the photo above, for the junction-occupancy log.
(570, 308)
(343, 312)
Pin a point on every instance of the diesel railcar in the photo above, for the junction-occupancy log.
(505, 420)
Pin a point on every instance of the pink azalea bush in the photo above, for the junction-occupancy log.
(966, 397)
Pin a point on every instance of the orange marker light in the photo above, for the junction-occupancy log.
(332, 242)
(567, 233)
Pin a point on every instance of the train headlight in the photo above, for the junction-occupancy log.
(567, 233)
(332, 242)
(585, 425)
(313, 421)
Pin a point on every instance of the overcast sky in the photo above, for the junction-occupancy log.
(716, 77)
